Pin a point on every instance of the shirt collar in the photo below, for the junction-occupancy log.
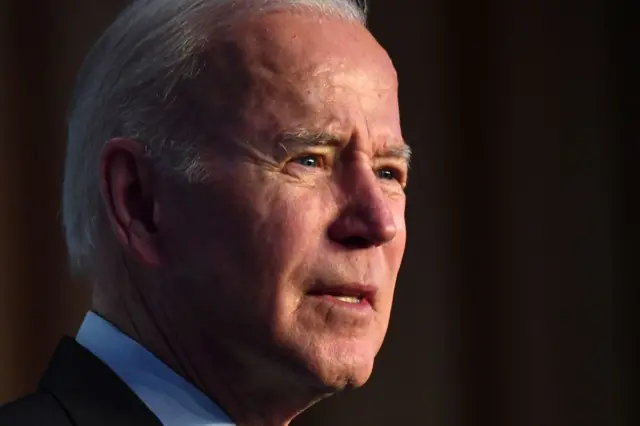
(169, 396)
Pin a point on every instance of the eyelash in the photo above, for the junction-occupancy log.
(395, 174)
(321, 163)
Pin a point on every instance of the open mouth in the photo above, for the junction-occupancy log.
(349, 299)
(348, 295)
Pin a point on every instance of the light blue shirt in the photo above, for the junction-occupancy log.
(169, 396)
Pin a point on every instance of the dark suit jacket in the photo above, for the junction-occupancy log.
(78, 390)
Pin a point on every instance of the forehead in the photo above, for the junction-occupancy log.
(307, 38)
(299, 69)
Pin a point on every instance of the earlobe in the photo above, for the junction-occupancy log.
(129, 199)
(141, 245)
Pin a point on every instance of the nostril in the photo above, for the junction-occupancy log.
(355, 242)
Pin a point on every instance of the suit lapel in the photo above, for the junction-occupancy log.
(91, 393)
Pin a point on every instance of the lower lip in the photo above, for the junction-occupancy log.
(363, 305)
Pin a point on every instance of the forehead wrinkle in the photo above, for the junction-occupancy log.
(288, 83)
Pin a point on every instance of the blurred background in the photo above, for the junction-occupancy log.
(514, 304)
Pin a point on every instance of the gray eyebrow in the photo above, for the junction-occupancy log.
(403, 152)
(309, 138)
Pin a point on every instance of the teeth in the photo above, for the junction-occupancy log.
(348, 299)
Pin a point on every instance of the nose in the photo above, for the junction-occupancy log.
(366, 219)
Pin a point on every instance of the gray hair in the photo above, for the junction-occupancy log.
(127, 87)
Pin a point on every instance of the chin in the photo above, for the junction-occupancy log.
(331, 355)
(337, 367)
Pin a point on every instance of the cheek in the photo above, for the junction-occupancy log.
(292, 225)
(397, 245)
(394, 254)
(394, 249)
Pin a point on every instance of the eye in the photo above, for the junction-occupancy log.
(310, 160)
(388, 173)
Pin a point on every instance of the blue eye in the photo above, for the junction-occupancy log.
(308, 161)
(386, 174)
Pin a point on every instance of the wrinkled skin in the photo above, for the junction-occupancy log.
(224, 269)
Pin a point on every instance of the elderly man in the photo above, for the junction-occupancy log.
(234, 190)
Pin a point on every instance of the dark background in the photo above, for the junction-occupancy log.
(514, 304)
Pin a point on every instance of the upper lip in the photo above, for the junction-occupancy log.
(361, 291)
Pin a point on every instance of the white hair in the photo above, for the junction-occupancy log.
(127, 88)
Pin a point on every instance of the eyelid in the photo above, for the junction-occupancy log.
(401, 173)
(401, 166)
(318, 152)
(324, 162)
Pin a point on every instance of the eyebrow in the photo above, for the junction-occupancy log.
(300, 139)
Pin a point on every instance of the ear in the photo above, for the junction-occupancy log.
(127, 188)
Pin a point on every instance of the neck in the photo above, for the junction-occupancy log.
(252, 391)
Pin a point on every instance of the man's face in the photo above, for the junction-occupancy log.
(288, 253)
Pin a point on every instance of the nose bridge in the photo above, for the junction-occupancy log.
(366, 214)
(365, 189)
